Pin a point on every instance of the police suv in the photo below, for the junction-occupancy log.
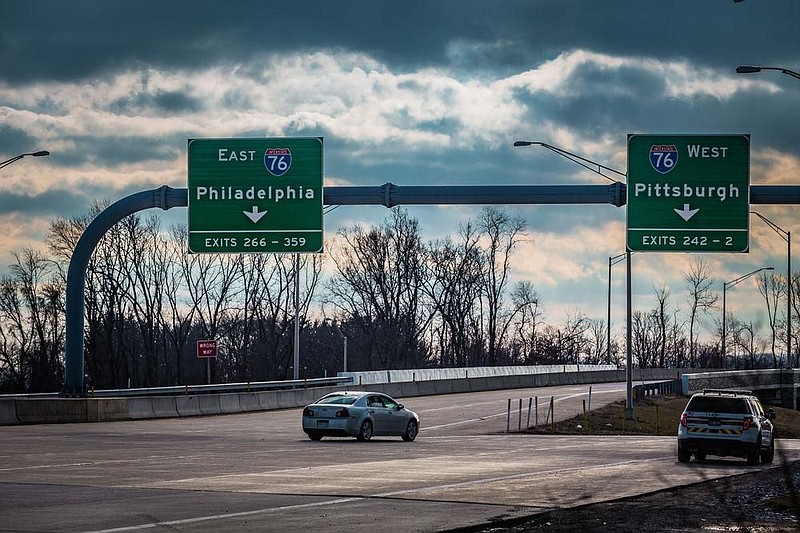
(726, 423)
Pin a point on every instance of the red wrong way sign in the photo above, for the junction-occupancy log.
(207, 348)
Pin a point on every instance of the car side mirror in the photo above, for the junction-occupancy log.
(400, 406)
(771, 414)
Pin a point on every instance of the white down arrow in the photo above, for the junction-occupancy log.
(255, 215)
(687, 213)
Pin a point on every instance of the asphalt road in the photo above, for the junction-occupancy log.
(259, 472)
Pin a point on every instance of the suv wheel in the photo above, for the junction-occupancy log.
(683, 455)
(755, 455)
(769, 455)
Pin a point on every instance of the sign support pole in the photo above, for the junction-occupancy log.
(296, 343)
(629, 357)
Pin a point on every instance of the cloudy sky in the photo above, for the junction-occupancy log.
(415, 93)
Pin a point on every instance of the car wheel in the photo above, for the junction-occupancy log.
(411, 431)
(313, 435)
(769, 455)
(365, 432)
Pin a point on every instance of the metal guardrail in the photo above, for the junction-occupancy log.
(200, 389)
(672, 386)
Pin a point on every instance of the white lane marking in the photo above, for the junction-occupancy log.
(461, 484)
(267, 510)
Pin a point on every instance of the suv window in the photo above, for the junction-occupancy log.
(714, 404)
(757, 407)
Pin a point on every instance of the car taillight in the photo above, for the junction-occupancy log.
(683, 420)
(308, 412)
(746, 422)
(342, 413)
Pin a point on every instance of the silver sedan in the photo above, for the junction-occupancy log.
(360, 415)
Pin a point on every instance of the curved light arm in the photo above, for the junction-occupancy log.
(575, 158)
(733, 283)
(617, 258)
(779, 230)
(750, 69)
(40, 153)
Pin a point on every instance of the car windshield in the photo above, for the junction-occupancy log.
(714, 404)
(339, 400)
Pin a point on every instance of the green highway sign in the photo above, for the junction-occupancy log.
(688, 193)
(255, 195)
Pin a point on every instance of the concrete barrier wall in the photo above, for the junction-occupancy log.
(164, 406)
(32, 411)
(267, 400)
(286, 399)
(230, 403)
(187, 406)
(249, 402)
(774, 386)
(209, 404)
(741, 379)
(438, 374)
(140, 408)
(8, 412)
(107, 410)
(48, 411)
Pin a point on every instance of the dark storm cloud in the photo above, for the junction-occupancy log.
(52, 202)
(113, 151)
(14, 141)
(57, 40)
(166, 102)
(74, 40)
(708, 31)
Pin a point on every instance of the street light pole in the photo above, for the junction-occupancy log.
(786, 236)
(751, 69)
(611, 262)
(725, 286)
(585, 163)
(40, 153)
(344, 342)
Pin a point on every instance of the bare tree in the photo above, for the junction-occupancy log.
(211, 283)
(453, 284)
(771, 287)
(598, 338)
(662, 318)
(181, 311)
(379, 286)
(526, 321)
(146, 256)
(645, 331)
(701, 300)
(31, 324)
(502, 233)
